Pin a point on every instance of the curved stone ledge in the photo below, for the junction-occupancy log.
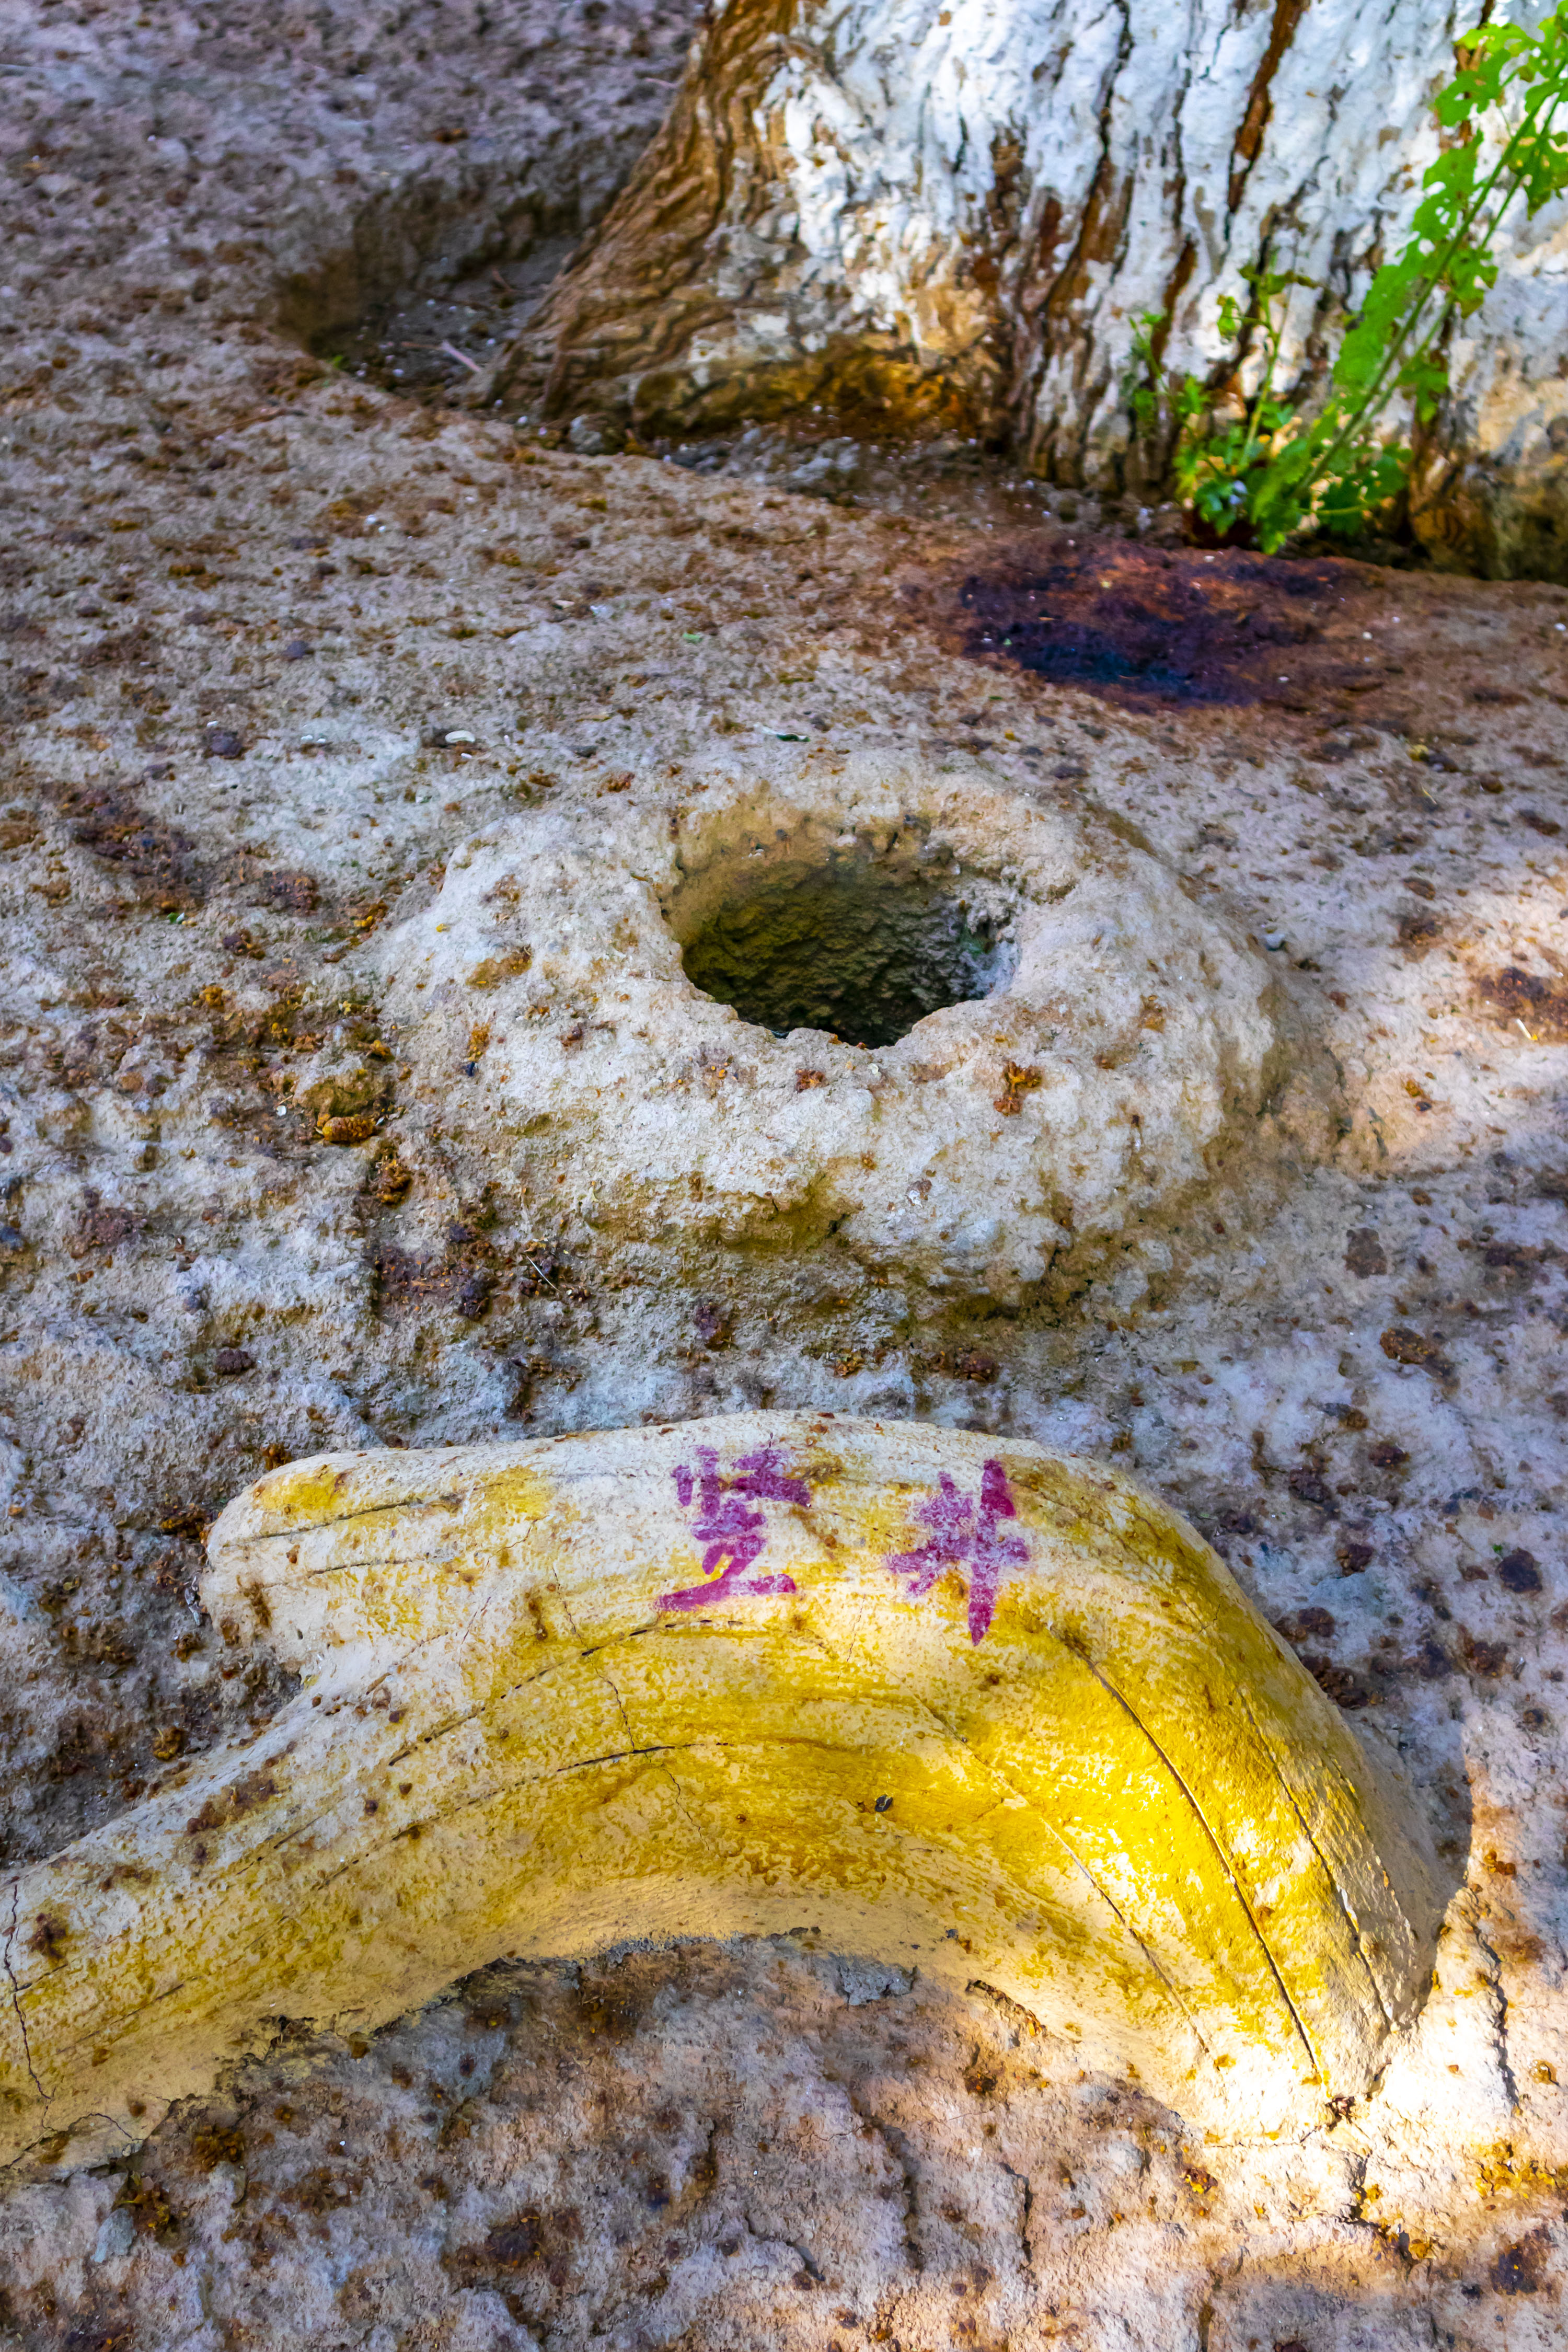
(1129, 1041)
(981, 1709)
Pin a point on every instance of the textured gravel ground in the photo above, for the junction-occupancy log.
(278, 643)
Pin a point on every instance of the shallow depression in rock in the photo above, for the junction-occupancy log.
(861, 953)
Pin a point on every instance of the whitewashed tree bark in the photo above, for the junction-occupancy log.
(946, 213)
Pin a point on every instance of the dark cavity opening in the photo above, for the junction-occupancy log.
(490, 171)
(861, 953)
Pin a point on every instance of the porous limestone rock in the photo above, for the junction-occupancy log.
(982, 1711)
(1110, 1043)
(1351, 1381)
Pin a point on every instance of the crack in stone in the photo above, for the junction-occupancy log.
(807, 2259)
(1223, 1858)
(1026, 2215)
(1115, 1909)
(15, 1992)
(1347, 1914)
(596, 1651)
(364, 1511)
(896, 2148)
(1494, 1980)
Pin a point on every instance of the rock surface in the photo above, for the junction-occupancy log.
(987, 1714)
(278, 645)
(1109, 1046)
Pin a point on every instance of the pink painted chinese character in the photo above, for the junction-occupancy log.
(962, 1537)
(727, 1528)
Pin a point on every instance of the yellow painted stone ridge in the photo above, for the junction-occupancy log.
(950, 1702)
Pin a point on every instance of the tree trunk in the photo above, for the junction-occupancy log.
(940, 217)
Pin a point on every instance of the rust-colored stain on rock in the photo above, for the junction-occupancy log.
(1142, 624)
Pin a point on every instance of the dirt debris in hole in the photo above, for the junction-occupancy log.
(279, 643)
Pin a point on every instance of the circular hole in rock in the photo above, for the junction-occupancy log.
(849, 948)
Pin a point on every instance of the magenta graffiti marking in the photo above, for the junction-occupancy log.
(966, 1538)
(729, 1530)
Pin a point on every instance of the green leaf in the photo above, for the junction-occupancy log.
(1333, 472)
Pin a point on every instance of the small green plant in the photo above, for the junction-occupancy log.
(1272, 471)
